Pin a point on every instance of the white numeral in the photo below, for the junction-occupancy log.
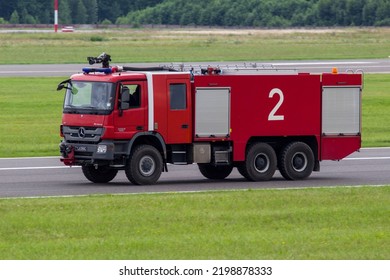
(272, 115)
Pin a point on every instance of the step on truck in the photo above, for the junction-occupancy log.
(255, 119)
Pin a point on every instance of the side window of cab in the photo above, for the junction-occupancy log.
(133, 92)
(177, 96)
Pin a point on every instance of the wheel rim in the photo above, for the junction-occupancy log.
(147, 166)
(299, 162)
(261, 163)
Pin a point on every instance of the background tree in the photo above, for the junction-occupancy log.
(383, 13)
(14, 19)
(64, 12)
(92, 11)
(256, 13)
(80, 13)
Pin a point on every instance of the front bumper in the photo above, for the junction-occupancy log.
(85, 153)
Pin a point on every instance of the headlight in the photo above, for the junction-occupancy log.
(101, 149)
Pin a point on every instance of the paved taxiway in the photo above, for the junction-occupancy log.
(32, 177)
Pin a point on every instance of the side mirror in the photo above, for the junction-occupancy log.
(125, 100)
(67, 84)
(60, 86)
(63, 84)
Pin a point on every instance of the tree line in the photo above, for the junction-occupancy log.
(249, 13)
(69, 11)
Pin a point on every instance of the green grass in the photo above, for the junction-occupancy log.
(31, 110)
(332, 223)
(375, 111)
(30, 116)
(183, 45)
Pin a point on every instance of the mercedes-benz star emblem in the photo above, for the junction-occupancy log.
(81, 132)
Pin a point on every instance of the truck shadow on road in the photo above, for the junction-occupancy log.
(201, 184)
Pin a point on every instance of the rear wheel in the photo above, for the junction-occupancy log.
(260, 163)
(144, 166)
(101, 174)
(296, 161)
(215, 172)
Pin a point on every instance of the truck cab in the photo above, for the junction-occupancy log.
(110, 118)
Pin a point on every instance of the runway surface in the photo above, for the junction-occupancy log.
(59, 70)
(34, 177)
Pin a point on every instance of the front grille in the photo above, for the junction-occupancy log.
(82, 134)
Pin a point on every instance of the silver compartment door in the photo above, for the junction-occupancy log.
(341, 109)
(212, 112)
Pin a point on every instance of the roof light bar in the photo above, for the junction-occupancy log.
(88, 70)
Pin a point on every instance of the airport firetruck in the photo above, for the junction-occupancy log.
(257, 119)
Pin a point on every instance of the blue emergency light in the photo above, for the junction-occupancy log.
(88, 70)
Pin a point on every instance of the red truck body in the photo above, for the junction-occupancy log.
(256, 120)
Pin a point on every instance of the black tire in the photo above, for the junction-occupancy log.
(215, 172)
(102, 174)
(145, 165)
(241, 167)
(296, 161)
(260, 163)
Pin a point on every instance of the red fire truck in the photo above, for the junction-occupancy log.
(258, 120)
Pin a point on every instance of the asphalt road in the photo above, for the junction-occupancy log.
(32, 177)
(365, 65)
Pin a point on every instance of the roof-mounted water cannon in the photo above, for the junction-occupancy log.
(211, 71)
(103, 58)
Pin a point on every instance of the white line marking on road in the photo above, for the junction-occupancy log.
(16, 158)
(186, 192)
(34, 167)
(34, 71)
(64, 166)
(322, 63)
(367, 158)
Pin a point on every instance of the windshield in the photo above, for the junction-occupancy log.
(89, 97)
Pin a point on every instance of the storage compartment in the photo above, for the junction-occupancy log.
(341, 111)
(180, 154)
(179, 157)
(222, 157)
(212, 112)
(202, 153)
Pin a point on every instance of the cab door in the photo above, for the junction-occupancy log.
(179, 111)
(133, 120)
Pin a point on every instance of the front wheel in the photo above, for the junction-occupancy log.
(296, 161)
(144, 166)
(101, 174)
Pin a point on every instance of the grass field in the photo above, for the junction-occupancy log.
(331, 223)
(183, 45)
(375, 112)
(30, 116)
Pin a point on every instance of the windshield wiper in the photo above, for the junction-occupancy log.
(91, 110)
(71, 109)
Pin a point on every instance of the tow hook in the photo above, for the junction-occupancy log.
(67, 153)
